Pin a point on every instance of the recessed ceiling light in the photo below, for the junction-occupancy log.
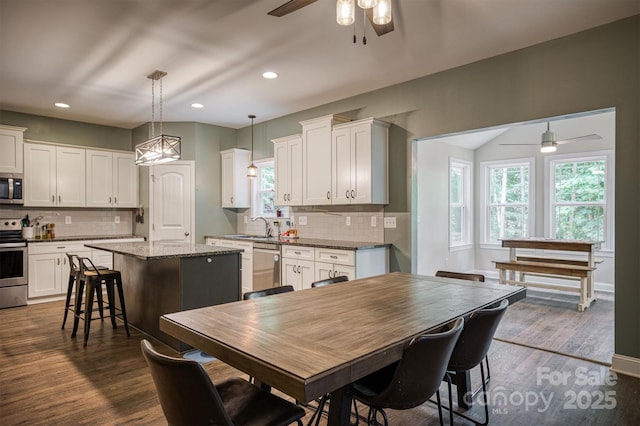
(61, 105)
(197, 105)
(270, 74)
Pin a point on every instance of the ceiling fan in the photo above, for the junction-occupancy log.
(293, 5)
(549, 141)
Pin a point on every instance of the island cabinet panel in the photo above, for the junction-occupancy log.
(157, 286)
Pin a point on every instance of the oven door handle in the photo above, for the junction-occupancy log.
(10, 245)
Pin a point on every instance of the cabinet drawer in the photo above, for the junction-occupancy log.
(244, 245)
(58, 247)
(295, 252)
(339, 257)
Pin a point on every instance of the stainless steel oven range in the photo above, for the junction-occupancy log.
(13, 264)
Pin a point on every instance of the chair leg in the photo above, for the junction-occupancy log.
(439, 407)
(88, 307)
(112, 306)
(72, 280)
(484, 401)
(123, 309)
(78, 306)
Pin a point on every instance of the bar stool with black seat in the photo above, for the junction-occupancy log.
(267, 292)
(74, 270)
(93, 279)
(329, 281)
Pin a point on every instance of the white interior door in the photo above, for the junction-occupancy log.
(172, 203)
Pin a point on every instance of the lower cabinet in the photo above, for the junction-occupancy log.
(247, 258)
(298, 266)
(49, 267)
(332, 263)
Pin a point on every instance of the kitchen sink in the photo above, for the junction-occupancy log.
(252, 237)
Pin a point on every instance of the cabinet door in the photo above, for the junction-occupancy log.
(99, 178)
(44, 275)
(290, 275)
(125, 180)
(11, 141)
(342, 166)
(247, 272)
(361, 172)
(102, 258)
(70, 177)
(226, 191)
(323, 271)
(282, 170)
(295, 172)
(340, 270)
(306, 273)
(316, 139)
(39, 175)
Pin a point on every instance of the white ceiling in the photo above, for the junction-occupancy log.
(95, 54)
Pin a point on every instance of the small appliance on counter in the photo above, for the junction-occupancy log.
(13, 258)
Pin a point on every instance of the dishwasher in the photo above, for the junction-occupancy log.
(266, 265)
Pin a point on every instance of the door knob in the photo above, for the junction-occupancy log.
(186, 234)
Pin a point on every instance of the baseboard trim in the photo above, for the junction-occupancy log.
(626, 365)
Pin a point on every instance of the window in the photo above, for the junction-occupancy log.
(460, 217)
(263, 189)
(507, 199)
(578, 197)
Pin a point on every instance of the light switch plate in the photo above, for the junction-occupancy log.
(67, 220)
(348, 220)
(390, 222)
(117, 219)
(374, 221)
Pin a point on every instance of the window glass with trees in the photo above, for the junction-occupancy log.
(264, 190)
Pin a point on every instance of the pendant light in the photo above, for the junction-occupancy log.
(382, 12)
(252, 170)
(345, 12)
(162, 148)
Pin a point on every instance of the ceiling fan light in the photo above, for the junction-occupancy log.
(382, 12)
(367, 4)
(345, 12)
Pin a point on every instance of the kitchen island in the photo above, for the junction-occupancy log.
(161, 277)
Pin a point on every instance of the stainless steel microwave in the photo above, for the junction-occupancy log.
(11, 188)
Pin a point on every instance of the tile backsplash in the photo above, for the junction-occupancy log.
(329, 224)
(83, 221)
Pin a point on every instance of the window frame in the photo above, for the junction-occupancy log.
(256, 192)
(609, 204)
(466, 205)
(485, 168)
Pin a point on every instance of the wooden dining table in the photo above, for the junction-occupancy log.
(312, 342)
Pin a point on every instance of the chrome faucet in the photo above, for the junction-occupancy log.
(267, 229)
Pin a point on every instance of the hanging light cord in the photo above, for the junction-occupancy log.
(161, 105)
(153, 108)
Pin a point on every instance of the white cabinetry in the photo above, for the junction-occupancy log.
(298, 266)
(54, 176)
(112, 179)
(332, 263)
(105, 258)
(360, 162)
(235, 183)
(247, 259)
(11, 141)
(287, 152)
(316, 159)
(49, 267)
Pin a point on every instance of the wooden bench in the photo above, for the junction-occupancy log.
(556, 268)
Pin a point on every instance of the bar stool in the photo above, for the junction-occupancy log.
(74, 270)
(93, 278)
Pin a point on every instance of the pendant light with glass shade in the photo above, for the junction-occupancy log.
(378, 11)
(252, 170)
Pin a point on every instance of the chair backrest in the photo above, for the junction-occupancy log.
(461, 276)
(419, 373)
(186, 393)
(74, 263)
(267, 292)
(329, 281)
(476, 338)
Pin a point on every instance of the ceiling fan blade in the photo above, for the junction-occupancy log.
(591, 137)
(519, 144)
(290, 6)
(380, 29)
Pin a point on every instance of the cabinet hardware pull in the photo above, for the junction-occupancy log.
(59, 198)
(346, 193)
(53, 198)
(352, 194)
(284, 197)
(109, 200)
(115, 200)
(329, 273)
(335, 273)
(328, 195)
(294, 269)
(298, 268)
(297, 252)
(186, 234)
(58, 261)
(333, 256)
(231, 200)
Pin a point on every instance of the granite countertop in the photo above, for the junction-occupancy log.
(307, 242)
(162, 249)
(84, 238)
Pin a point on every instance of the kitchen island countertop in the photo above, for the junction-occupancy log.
(162, 249)
(307, 242)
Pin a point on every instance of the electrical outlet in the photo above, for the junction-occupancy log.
(374, 221)
(67, 220)
(302, 220)
(390, 222)
(117, 219)
(348, 220)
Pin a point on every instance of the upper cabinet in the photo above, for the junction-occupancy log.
(359, 162)
(287, 153)
(235, 183)
(316, 159)
(54, 176)
(11, 148)
(112, 179)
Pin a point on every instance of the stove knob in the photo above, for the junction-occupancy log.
(6, 224)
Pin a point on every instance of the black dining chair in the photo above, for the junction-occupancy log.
(472, 347)
(188, 397)
(329, 281)
(468, 277)
(413, 379)
(267, 292)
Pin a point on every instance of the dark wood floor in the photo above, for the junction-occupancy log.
(46, 377)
